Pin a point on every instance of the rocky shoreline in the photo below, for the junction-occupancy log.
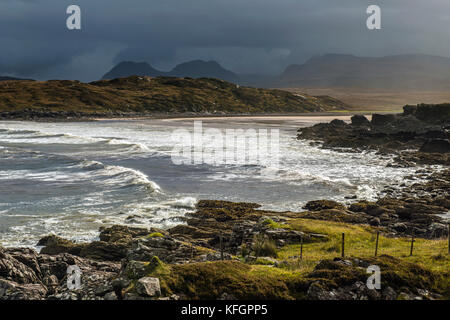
(136, 263)
(420, 135)
(227, 250)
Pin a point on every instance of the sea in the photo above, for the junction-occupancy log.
(70, 178)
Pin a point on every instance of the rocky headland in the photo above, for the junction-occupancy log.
(419, 135)
(137, 96)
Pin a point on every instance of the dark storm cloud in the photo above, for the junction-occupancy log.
(247, 36)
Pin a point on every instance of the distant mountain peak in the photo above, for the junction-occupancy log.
(191, 69)
(130, 68)
(203, 69)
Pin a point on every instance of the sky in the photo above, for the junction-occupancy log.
(246, 36)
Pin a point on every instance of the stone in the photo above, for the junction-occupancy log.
(148, 287)
(10, 290)
(400, 227)
(382, 119)
(317, 292)
(388, 294)
(136, 269)
(110, 296)
(436, 146)
(103, 289)
(360, 120)
(375, 222)
(318, 205)
(14, 270)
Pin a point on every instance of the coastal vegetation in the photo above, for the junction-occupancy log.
(145, 96)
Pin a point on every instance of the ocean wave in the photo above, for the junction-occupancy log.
(90, 165)
(65, 169)
(185, 203)
(119, 175)
(135, 177)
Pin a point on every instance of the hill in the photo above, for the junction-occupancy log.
(410, 72)
(149, 96)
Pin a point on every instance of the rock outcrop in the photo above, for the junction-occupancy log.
(423, 128)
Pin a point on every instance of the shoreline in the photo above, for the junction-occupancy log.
(327, 116)
(236, 250)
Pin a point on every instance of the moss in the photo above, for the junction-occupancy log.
(155, 235)
(275, 225)
(398, 274)
(210, 280)
(156, 266)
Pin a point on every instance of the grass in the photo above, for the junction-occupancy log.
(290, 278)
(360, 242)
(275, 225)
(263, 246)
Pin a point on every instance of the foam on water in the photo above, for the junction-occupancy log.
(71, 178)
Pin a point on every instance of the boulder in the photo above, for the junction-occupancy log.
(118, 233)
(382, 119)
(318, 205)
(438, 113)
(360, 120)
(148, 287)
(375, 222)
(338, 123)
(14, 270)
(55, 245)
(97, 250)
(105, 251)
(168, 249)
(10, 290)
(436, 146)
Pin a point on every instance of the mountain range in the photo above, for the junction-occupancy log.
(405, 72)
(413, 72)
(191, 69)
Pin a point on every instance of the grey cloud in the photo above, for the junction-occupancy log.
(246, 36)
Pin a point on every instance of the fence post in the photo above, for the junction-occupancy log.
(412, 245)
(221, 246)
(301, 248)
(448, 238)
(343, 245)
(376, 244)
